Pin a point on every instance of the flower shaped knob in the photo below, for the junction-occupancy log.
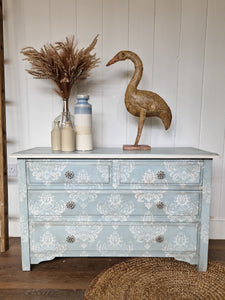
(159, 239)
(70, 205)
(70, 239)
(161, 175)
(69, 174)
(160, 205)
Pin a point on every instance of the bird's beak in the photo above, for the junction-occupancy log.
(113, 61)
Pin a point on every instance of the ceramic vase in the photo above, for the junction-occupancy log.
(83, 123)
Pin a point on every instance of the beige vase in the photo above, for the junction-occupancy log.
(67, 138)
(56, 137)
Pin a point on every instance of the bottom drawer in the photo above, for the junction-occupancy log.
(90, 239)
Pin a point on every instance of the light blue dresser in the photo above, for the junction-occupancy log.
(110, 202)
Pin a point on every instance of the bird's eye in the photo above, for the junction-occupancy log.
(122, 54)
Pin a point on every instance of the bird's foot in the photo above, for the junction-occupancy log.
(136, 147)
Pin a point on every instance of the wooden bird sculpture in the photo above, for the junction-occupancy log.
(140, 103)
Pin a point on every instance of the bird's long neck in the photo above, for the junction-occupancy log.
(137, 72)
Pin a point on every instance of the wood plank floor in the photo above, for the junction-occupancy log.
(61, 278)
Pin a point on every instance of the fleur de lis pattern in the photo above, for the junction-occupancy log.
(117, 208)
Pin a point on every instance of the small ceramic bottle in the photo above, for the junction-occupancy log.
(56, 137)
(67, 137)
(83, 123)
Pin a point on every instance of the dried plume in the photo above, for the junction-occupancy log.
(62, 63)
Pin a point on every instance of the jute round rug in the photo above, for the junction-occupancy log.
(158, 279)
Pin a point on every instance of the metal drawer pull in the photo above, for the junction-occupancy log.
(160, 205)
(70, 239)
(159, 239)
(69, 174)
(70, 205)
(161, 175)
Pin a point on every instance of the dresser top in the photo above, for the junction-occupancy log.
(100, 153)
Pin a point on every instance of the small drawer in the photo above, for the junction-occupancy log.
(55, 172)
(119, 239)
(168, 203)
(153, 172)
(114, 205)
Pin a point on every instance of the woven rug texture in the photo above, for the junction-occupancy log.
(158, 279)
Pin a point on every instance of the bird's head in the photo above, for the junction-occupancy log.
(122, 55)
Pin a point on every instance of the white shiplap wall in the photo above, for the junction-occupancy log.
(182, 45)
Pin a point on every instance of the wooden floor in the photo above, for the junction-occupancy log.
(61, 278)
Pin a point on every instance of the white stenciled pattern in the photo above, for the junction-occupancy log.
(204, 232)
(147, 234)
(115, 242)
(183, 173)
(103, 169)
(207, 192)
(46, 172)
(183, 202)
(83, 198)
(47, 203)
(82, 177)
(126, 168)
(148, 198)
(179, 242)
(48, 242)
(182, 205)
(149, 177)
(116, 207)
(84, 235)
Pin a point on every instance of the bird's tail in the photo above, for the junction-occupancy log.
(166, 116)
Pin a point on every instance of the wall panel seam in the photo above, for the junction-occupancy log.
(178, 71)
(203, 75)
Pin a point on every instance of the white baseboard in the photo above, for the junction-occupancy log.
(14, 227)
(217, 228)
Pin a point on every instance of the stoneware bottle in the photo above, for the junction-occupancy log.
(83, 123)
(56, 137)
(67, 137)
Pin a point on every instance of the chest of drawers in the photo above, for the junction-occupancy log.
(110, 202)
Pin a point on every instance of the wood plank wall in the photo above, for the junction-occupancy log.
(182, 45)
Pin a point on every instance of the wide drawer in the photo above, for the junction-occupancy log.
(155, 172)
(113, 204)
(82, 173)
(112, 238)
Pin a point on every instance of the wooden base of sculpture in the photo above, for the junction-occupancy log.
(136, 147)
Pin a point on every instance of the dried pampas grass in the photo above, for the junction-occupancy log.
(62, 63)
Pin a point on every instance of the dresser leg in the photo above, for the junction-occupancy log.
(25, 267)
(24, 223)
(205, 211)
(202, 267)
(25, 253)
